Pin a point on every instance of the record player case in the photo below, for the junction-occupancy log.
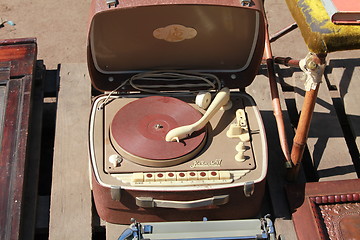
(217, 171)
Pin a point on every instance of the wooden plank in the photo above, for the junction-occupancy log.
(42, 213)
(13, 156)
(2, 107)
(5, 68)
(70, 207)
(22, 54)
(31, 179)
(260, 91)
(4, 78)
(19, 57)
(345, 75)
(113, 231)
(326, 142)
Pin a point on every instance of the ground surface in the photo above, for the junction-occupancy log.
(60, 27)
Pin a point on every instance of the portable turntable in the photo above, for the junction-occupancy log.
(175, 136)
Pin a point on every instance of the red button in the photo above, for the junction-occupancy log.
(192, 174)
(203, 174)
(213, 173)
(182, 174)
(149, 175)
(170, 174)
(160, 175)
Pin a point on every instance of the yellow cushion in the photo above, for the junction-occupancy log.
(319, 33)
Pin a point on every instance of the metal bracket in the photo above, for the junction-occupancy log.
(147, 229)
(112, 3)
(245, 3)
(267, 227)
(115, 193)
(249, 188)
(313, 71)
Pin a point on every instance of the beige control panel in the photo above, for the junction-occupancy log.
(180, 178)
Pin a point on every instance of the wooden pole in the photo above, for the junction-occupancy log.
(276, 101)
(302, 131)
(303, 127)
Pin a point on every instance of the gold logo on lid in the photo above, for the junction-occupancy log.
(174, 33)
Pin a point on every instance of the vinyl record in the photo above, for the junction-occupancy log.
(139, 128)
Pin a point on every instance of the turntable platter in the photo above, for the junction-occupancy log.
(138, 131)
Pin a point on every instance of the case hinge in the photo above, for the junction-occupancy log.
(245, 3)
(111, 3)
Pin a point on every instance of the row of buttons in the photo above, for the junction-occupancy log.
(181, 178)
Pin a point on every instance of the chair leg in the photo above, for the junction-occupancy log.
(302, 131)
(314, 63)
(276, 102)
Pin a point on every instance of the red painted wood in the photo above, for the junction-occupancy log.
(5, 71)
(21, 53)
(347, 6)
(312, 204)
(13, 149)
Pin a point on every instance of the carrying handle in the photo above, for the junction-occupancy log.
(149, 202)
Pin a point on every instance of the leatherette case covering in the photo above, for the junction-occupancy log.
(221, 37)
(225, 38)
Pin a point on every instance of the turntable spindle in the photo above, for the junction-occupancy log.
(221, 99)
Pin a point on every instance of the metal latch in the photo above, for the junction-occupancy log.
(115, 192)
(267, 227)
(245, 3)
(112, 3)
(249, 188)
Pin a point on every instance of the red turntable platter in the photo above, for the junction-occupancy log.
(138, 131)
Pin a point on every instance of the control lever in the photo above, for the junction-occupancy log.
(221, 99)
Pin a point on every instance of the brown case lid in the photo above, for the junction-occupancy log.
(225, 39)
